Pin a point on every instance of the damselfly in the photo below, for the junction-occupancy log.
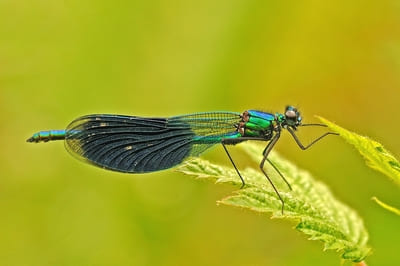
(132, 144)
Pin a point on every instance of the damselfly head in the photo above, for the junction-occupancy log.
(292, 117)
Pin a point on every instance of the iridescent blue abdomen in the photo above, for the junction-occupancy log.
(47, 136)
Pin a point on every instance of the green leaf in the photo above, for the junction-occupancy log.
(386, 206)
(375, 155)
(311, 204)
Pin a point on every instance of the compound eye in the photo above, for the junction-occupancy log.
(290, 114)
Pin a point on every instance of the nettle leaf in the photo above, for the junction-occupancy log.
(376, 156)
(311, 204)
(386, 206)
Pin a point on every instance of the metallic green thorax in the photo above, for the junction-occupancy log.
(257, 124)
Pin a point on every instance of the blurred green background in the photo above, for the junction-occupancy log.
(63, 59)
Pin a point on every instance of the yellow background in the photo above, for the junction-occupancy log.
(63, 59)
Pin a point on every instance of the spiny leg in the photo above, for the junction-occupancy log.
(236, 141)
(267, 150)
(314, 125)
(312, 142)
(230, 158)
(279, 172)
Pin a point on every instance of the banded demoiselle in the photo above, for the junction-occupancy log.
(132, 144)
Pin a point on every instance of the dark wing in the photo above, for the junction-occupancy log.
(137, 145)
